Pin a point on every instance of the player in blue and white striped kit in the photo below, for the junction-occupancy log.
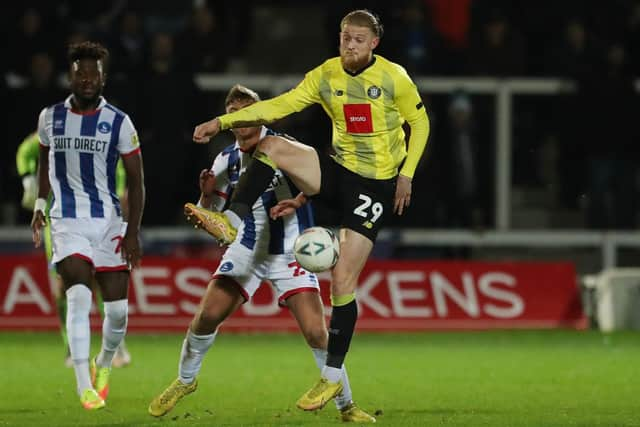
(81, 140)
(263, 251)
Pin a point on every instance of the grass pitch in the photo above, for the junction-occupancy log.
(514, 378)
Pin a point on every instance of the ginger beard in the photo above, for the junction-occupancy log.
(356, 47)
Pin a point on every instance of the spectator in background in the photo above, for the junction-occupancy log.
(574, 55)
(130, 52)
(28, 39)
(611, 142)
(129, 47)
(462, 158)
(498, 50)
(164, 16)
(202, 43)
(415, 40)
(574, 58)
(42, 88)
(170, 104)
(92, 17)
(452, 20)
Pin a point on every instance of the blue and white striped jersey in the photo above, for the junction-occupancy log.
(258, 231)
(83, 152)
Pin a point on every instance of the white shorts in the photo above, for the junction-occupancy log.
(96, 240)
(250, 268)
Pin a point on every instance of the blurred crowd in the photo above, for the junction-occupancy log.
(581, 147)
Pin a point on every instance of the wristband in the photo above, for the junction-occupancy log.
(40, 205)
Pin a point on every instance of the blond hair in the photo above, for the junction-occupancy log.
(240, 93)
(363, 18)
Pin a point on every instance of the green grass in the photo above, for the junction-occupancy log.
(519, 378)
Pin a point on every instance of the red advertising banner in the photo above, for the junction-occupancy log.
(392, 296)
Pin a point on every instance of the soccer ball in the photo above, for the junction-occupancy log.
(316, 249)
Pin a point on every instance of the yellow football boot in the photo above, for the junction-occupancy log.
(100, 379)
(167, 400)
(319, 395)
(215, 223)
(352, 414)
(91, 400)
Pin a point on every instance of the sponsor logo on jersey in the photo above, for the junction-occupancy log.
(81, 144)
(104, 127)
(374, 92)
(358, 118)
(226, 267)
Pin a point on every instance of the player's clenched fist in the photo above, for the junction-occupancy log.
(205, 131)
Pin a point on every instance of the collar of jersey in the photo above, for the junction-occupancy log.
(67, 104)
(263, 133)
(373, 61)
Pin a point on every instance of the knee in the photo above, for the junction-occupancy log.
(342, 282)
(316, 337)
(117, 311)
(207, 320)
(271, 146)
(266, 146)
(79, 299)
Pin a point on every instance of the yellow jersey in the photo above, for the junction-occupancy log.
(367, 110)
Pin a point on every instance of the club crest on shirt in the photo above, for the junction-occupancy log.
(104, 127)
(374, 92)
(226, 267)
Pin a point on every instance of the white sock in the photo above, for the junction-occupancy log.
(332, 374)
(78, 332)
(234, 219)
(114, 326)
(194, 347)
(345, 397)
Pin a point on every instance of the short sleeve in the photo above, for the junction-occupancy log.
(44, 127)
(128, 142)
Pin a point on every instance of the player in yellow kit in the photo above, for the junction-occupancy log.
(27, 167)
(368, 99)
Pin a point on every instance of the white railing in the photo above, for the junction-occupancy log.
(607, 243)
(502, 89)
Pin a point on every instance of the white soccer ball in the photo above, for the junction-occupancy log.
(316, 249)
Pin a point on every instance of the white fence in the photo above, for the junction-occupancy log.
(504, 90)
(607, 243)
